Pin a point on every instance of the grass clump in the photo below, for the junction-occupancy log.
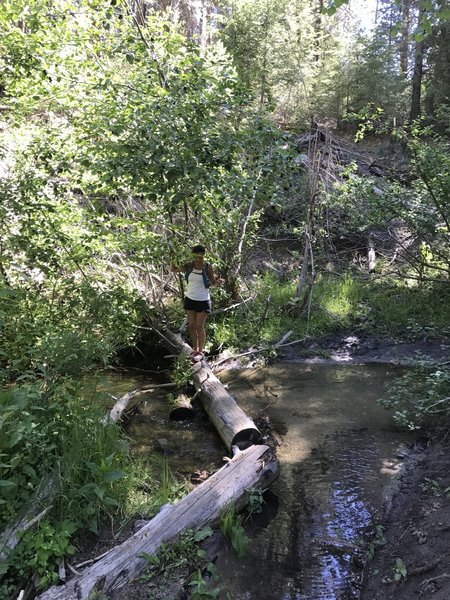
(336, 303)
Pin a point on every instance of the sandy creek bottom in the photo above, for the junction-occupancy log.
(339, 453)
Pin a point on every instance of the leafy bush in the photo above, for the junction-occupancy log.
(42, 551)
(421, 397)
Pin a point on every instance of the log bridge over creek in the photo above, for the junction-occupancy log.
(253, 465)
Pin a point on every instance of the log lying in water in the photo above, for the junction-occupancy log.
(255, 468)
(232, 424)
(121, 404)
(182, 409)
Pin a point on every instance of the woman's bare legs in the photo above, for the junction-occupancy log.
(191, 316)
(196, 323)
(200, 327)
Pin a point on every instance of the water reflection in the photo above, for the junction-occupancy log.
(335, 439)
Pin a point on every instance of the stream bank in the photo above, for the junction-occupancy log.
(332, 477)
(412, 560)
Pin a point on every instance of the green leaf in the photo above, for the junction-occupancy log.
(15, 438)
(202, 534)
(6, 483)
(111, 476)
(110, 501)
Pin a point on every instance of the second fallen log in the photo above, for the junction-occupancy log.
(255, 468)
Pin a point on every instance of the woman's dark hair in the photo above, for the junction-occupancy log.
(199, 249)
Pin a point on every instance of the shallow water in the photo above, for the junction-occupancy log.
(338, 451)
(187, 445)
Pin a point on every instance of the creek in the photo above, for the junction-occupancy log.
(340, 456)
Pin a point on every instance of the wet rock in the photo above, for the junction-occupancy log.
(163, 445)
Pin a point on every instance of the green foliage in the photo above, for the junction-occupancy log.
(282, 50)
(420, 397)
(377, 91)
(43, 430)
(359, 206)
(255, 501)
(338, 302)
(184, 558)
(231, 526)
(51, 428)
(200, 588)
(375, 543)
(24, 447)
(57, 430)
(42, 551)
(182, 371)
(149, 484)
(434, 487)
(400, 571)
(185, 552)
(51, 296)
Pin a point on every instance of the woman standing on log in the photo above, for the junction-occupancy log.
(199, 276)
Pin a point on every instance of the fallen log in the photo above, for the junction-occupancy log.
(121, 404)
(181, 408)
(255, 468)
(36, 510)
(234, 427)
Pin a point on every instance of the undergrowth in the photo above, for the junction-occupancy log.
(400, 308)
(421, 397)
(51, 437)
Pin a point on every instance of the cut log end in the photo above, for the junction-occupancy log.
(182, 409)
(182, 413)
(246, 438)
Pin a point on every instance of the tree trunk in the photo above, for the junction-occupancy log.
(37, 508)
(371, 254)
(116, 413)
(417, 82)
(256, 467)
(404, 43)
(417, 75)
(232, 424)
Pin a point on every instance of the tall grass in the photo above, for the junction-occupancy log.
(337, 303)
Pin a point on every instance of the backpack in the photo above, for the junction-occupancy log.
(205, 269)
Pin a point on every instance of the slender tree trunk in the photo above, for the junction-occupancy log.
(417, 81)
(404, 43)
(318, 9)
(417, 75)
(205, 10)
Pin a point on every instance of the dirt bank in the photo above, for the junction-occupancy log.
(411, 552)
(353, 347)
